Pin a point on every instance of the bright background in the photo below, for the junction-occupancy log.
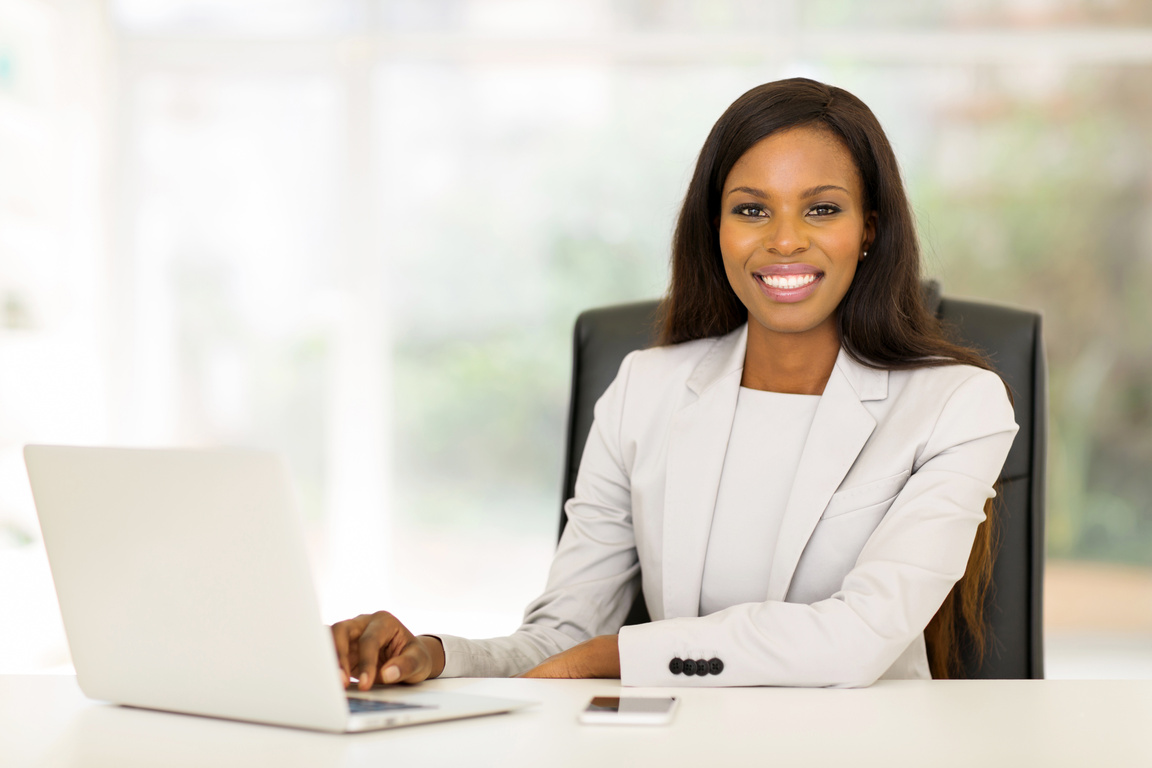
(358, 232)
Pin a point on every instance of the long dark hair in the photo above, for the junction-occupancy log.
(882, 319)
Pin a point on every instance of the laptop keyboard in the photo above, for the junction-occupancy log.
(372, 705)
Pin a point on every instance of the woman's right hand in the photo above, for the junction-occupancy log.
(376, 647)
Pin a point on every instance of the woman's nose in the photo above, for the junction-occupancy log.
(786, 237)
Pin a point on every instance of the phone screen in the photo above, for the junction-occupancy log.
(630, 706)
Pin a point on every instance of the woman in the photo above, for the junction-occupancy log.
(798, 475)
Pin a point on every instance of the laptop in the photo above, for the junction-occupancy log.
(184, 585)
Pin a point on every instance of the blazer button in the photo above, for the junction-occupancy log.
(676, 665)
(715, 666)
(689, 667)
(701, 667)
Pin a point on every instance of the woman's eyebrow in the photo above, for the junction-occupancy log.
(750, 190)
(810, 192)
(821, 190)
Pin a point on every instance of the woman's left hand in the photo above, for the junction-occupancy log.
(598, 657)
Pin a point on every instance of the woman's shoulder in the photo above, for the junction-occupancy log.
(933, 378)
(659, 376)
(959, 388)
(942, 373)
(686, 356)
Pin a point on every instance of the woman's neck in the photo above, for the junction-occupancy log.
(791, 363)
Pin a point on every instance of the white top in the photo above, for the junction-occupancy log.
(768, 434)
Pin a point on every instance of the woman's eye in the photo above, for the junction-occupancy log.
(824, 209)
(748, 209)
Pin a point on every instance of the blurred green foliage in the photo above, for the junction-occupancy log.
(1037, 197)
(1051, 210)
(481, 414)
(1032, 185)
(285, 375)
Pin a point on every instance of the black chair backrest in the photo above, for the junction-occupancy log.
(1011, 338)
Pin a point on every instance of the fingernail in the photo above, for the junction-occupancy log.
(391, 674)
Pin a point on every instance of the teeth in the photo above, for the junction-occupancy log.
(787, 281)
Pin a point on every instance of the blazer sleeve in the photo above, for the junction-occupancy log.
(595, 573)
(905, 570)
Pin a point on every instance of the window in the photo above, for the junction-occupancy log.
(358, 233)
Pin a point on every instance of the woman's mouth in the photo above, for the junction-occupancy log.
(787, 281)
(789, 286)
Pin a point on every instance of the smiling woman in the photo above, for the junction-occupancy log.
(799, 476)
(792, 228)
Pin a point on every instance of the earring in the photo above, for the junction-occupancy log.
(865, 255)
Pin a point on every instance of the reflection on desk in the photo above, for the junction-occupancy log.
(46, 721)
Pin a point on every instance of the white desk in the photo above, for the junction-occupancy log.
(46, 721)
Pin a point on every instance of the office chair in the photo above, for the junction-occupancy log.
(1011, 338)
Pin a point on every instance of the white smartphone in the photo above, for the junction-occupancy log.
(629, 710)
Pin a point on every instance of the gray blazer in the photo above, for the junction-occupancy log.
(878, 527)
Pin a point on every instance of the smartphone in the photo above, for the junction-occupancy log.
(628, 710)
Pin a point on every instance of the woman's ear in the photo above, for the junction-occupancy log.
(869, 233)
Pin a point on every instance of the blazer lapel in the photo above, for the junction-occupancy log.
(698, 440)
(839, 430)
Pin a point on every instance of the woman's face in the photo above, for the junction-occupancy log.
(792, 229)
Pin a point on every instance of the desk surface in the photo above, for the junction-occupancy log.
(46, 721)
